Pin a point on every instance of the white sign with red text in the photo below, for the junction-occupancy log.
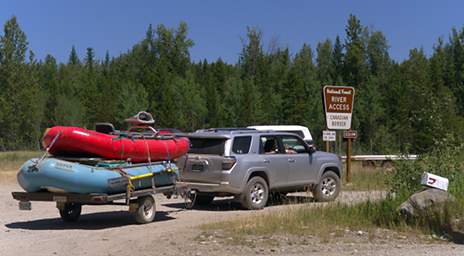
(434, 181)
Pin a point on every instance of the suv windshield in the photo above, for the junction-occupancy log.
(293, 145)
(213, 146)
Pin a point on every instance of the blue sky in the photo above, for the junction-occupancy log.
(217, 27)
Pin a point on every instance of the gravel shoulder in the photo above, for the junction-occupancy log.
(110, 230)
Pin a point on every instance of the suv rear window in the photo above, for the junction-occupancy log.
(211, 146)
(241, 145)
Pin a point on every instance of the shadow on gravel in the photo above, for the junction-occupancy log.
(220, 205)
(292, 199)
(91, 221)
(223, 205)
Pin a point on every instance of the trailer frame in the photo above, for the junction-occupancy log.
(141, 202)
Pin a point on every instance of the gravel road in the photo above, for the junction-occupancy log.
(110, 230)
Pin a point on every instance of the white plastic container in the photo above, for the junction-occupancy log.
(434, 181)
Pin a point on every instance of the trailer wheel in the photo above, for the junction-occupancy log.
(71, 212)
(146, 210)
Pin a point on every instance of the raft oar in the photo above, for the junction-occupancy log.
(34, 167)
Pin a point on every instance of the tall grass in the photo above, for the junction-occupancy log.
(12, 160)
(402, 182)
(366, 178)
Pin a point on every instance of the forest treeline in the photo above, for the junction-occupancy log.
(399, 107)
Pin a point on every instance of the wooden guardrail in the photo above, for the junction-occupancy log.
(384, 161)
(381, 157)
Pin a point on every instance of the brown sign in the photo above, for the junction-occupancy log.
(350, 134)
(338, 105)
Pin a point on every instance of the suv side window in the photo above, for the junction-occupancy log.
(299, 133)
(269, 145)
(293, 145)
(241, 145)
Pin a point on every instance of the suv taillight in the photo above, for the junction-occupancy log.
(228, 163)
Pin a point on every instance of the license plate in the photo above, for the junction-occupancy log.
(197, 167)
(25, 206)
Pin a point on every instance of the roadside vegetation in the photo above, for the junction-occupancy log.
(365, 178)
(12, 160)
(336, 218)
(400, 106)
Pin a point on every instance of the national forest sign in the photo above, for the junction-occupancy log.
(338, 104)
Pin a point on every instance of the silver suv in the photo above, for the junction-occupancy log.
(256, 165)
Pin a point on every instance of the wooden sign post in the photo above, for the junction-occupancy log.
(328, 136)
(338, 106)
(349, 135)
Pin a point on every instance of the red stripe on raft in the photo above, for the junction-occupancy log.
(76, 140)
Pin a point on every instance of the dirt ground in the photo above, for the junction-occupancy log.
(110, 230)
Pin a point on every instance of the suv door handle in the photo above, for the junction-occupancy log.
(266, 161)
(291, 160)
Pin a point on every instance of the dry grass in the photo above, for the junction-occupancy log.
(366, 178)
(322, 220)
(12, 160)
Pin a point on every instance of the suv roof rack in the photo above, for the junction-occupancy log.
(225, 129)
(232, 131)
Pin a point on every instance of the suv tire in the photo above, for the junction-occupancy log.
(328, 187)
(256, 194)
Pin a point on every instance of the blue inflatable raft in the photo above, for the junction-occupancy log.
(57, 175)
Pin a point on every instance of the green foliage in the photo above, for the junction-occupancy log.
(21, 100)
(444, 160)
(399, 107)
(370, 214)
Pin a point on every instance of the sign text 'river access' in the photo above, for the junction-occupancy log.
(338, 101)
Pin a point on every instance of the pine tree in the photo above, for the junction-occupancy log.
(325, 63)
(73, 57)
(338, 60)
(49, 84)
(355, 61)
(91, 95)
(21, 98)
(69, 107)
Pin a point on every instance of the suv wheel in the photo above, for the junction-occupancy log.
(256, 194)
(328, 187)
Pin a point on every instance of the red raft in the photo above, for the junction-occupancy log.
(79, 141)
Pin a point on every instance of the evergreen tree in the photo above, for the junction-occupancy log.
(49, 84)
(20, 96)
(73, 57)
(338, 59)
(325, 63)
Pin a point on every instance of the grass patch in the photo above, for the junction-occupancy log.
(367, 178)
(10, 161)
(315, 219)
(334, 218)
(327, 221)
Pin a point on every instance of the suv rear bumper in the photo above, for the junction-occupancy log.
(222, 187)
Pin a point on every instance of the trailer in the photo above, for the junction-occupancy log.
(140, 202)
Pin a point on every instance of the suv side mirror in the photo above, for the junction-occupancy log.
(311, 149)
